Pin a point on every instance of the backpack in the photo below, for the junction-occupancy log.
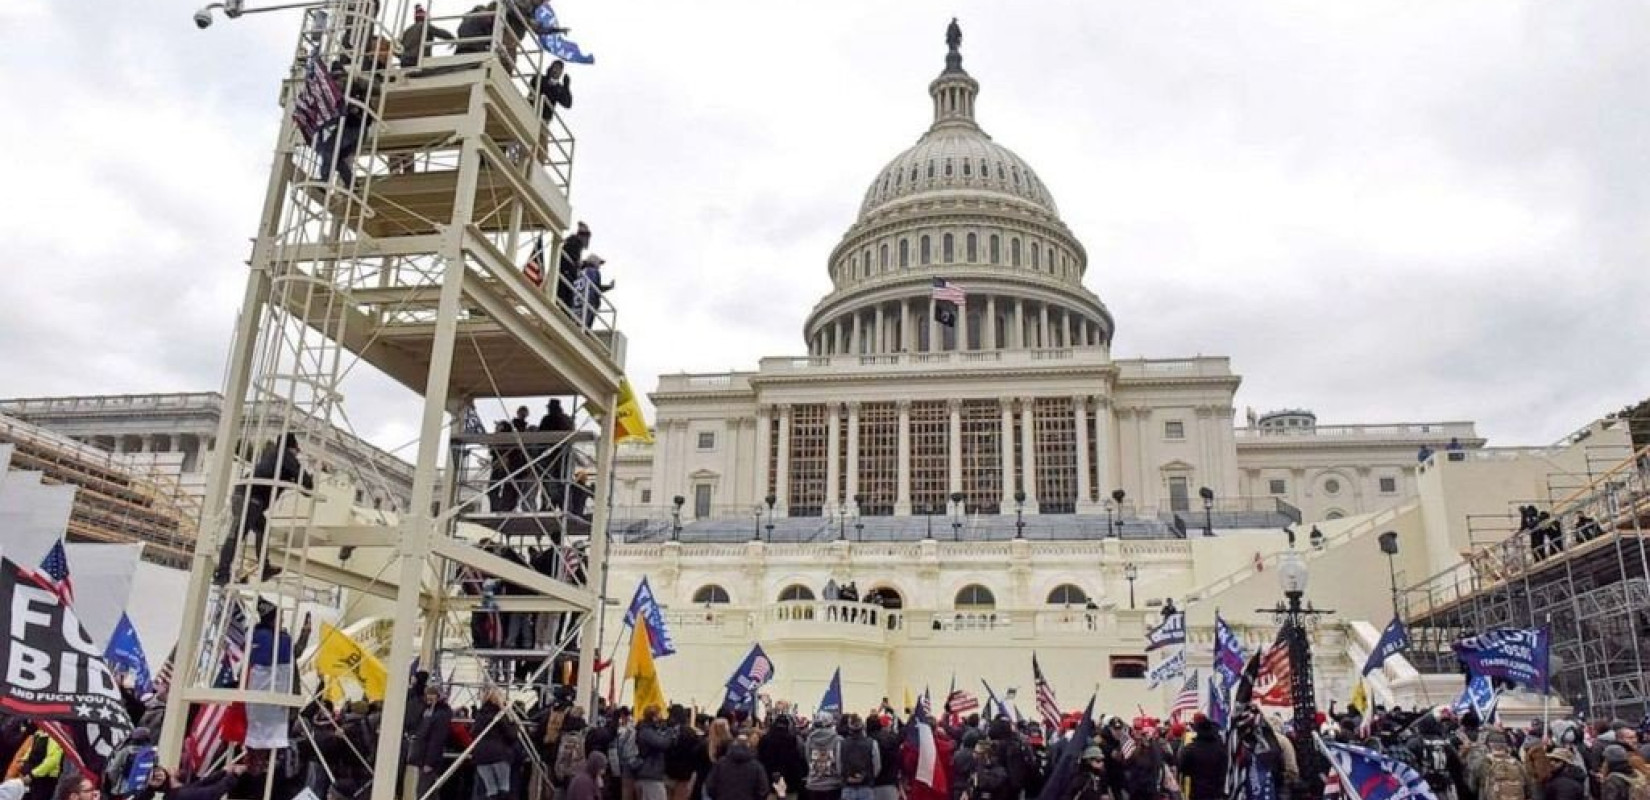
(1434, 764)
(569, 758)
(856, 761)
(1637, 787)
(822, 760)
(626, 756)
(1503, 778)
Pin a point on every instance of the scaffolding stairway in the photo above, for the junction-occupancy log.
(393, 239)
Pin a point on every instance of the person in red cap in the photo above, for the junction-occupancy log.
(419, 37)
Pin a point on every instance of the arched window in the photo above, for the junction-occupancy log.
(1015, 171)
(1036, 256)
(885, 596)
(930, 169)
(975, 597)
(1067, 595)
(1014, 252)
(904, 253)
(968, 168)
(882, 255)
(1334, 513)
(972, 243)
(853, 269)
(899, 178)
(948, 248)
(711, 594)
(924, 250)
(913, 174)
(795, 591)
(1000, 175)
(996, 249)
(948, 170)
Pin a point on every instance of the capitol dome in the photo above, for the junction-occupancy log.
(958, 208)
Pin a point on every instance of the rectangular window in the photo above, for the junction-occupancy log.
(1277, 486)
(807, 489)
(930, 455)
(1055, 437)
(647, 496)
(701, 501)
(1174, 429)
(1389, 486)
(1180, 496)
(1128, 667)
(982, 456)
(878, 458)
(707, 440)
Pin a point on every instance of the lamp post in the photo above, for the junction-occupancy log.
(756, 530)
(1117, 496)
(1131, 572)
(1019, 514)
(1315, 538)
(1295, 618)
(841, 521)
(235, 9)
(928, 519)
(676, 517)
(1208, 496)
(957, 499)
(859, 517)
(1389, 545)
(770, 500)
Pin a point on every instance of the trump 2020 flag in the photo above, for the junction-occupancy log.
(554, 43)
(645, 605)
(1480, 697)
(1228, 653)
(1172, 667)
(1171, 631)
(1218, 713)
(1372, 776)
(753, 673)
(831, 703)
(53, 673)
(125, 657)
(1394, 640)
(1516, 654)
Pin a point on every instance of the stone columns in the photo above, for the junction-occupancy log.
(1102, 447)
(833, 465)
(1017, 336)
(1145, 458)
(782, 478)
(907, 331)
(1028, 452)
(988, 337)
(764, 434)
(954, 482)
(879, 344)
(902, 498)
(1042, 325)
(1005, 440)
(962, 328)
(853, 451)
(1085, 492)
(935, 344)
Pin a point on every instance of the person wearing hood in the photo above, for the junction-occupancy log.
(1569, 778)
(962, 761)
(823, 750)
(886, 784)
(861, 761)
(780, 752)
(1203, 762)
(1620, 781)
(587, 785)
(738, 775)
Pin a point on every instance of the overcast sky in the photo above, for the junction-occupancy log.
(1382, 211)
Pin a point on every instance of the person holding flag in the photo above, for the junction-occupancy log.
(926, 754)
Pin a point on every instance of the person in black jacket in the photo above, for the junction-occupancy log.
(780, 752)
(419, 37)
(1569, 778)
(570, 266)
(739, 776)
(212, 787)
(556, 89)
(1203, 762)
(429, 744)
(653, 741)
(252, 501)
(886, 784)
(686, 756)
(495, 746)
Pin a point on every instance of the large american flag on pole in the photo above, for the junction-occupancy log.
(949, 292)
(55, 569)
(206, 735)
(1273, 682)
(319, 102)
(1047, 706)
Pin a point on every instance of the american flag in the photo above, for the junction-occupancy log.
(535, 263)
(55, 568)
(925, 706)
(319, 102)
(1185, 703)
(205, 736)
(949, 292)
(1272, 684)
(162, 682)
(961, 702)
(761, 668)
(1126, 747)
(1046, 704)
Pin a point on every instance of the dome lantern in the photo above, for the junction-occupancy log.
(954, 90)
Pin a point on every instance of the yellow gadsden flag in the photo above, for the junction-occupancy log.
(1360, 699)
(628, 423)
(640, 668)
(339, 657)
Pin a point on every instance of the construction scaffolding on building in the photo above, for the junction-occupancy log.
(1583, 574)
(409, 217)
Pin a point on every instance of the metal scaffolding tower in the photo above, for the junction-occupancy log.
(1589, 586)
(394, 235)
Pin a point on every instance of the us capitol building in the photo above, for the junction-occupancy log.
(1002, 485)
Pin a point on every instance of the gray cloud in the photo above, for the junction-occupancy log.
(1383, 211)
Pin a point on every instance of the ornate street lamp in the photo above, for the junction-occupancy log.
(1208, 496)
(756, 531)
(1131, 572)
(1117, 496)
(957, 499)
(770, 500)
(859, 517)
(1389, 545)
(1295, 619)
(676, 517)
(928, 519)
(1019, 514)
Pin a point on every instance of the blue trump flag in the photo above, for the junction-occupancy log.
(1516, 654)
(1394, 640)
(1368, 775)
(752, 674)
(832, 701)
(1480, 697)
(1171, 631)
(645, 605)
(1218, 704)
(125, 656)
(544, 17)
(1228, 653)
